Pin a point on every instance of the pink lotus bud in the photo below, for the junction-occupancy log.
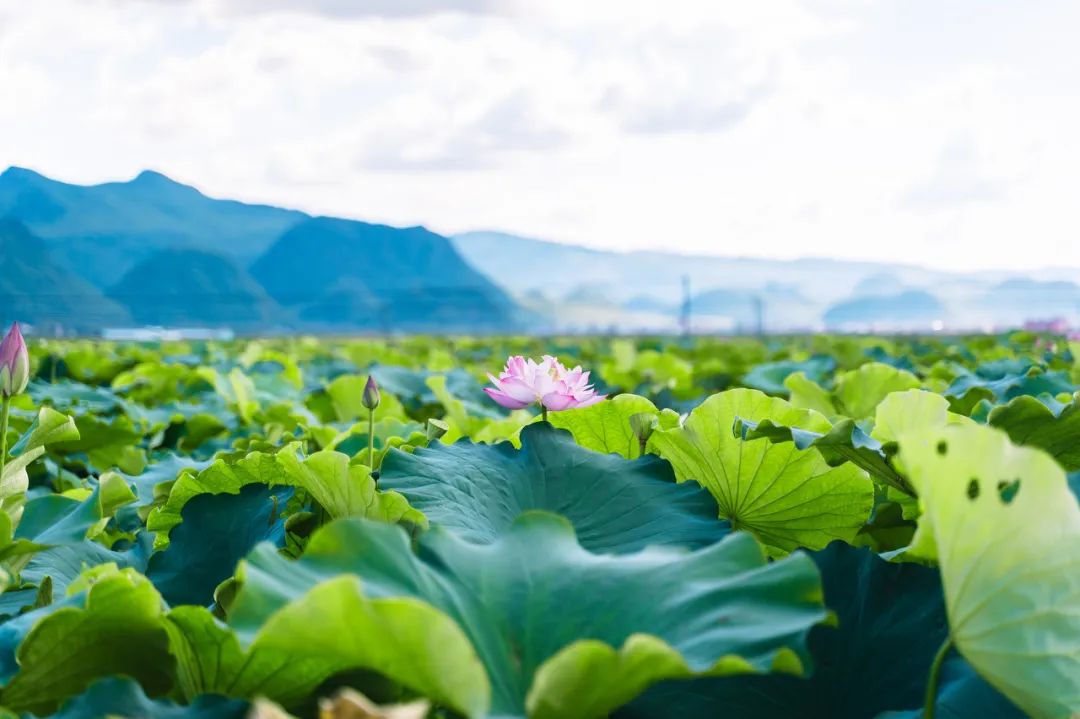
(14, 363)
(548, 383)
(371, 398)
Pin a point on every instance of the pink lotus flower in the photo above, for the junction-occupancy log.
(14, 363)
(548, 383)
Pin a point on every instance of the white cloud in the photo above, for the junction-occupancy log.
(923, 131)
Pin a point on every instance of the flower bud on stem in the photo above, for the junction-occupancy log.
(370, 400)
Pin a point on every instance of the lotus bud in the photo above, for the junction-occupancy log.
(642, 425)
(14, 363)
(436, 428)
(370, 398)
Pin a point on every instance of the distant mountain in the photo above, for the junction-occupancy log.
(101, 231)
(182, 287)
(35, 288)
(166, 254)
(799, 294)
(910, 310)
(558, 268)
(379, 277)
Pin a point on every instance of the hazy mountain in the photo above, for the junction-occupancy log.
(37, 290)
(726, 292)
(557, 268)
(101, 231)
(910, 310)
(174, 256)
(379, 277)
(182, 287)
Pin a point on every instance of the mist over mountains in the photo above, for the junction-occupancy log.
(155, 252)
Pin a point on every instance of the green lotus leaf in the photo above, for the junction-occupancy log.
(481, 424)
(217, 531)
(859, 391)
(615, 505)
(771, 377)
(360, 631)
(57, 519)
(1005, 528)
(344, 489)
(1006, 381)
(805, 393)
(64, 563)
(346, 396)
(221, 477)
(1031, 422)
(118, 697)
(788, 497)
(111, 625)
(884, 612)
(49, 427)
(605, 426)
(528, 600)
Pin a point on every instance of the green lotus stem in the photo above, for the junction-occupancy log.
(543, 413)
(3, 433)
(371, 439)
(930, 705)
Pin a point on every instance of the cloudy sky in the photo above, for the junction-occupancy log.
(938, 132)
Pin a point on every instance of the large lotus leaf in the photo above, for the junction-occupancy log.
(535, 605)
(859, 391)
(614, 504)
(13, 601)
(165, 470)
(119, 697)
(76, 397)
(216, 532)
(210, 659)
(63, 564)
(605, 426)
(103, 440)
(1009, 382)
(56, 519)
(344, 489)
(1031, 422)
(221, 477)
(963, 694)
(112, 625)
(770, 376)
(786, 496)
(890, 623)
(1005, 528)
(845, 442)
(805, 393)
(899, 412)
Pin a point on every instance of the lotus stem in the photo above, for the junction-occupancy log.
(3, 433)
(930, 705)
(371, 439)
(543, 413)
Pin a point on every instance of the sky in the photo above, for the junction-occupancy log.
(934, 132)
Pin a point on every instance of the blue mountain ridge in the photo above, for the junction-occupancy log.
(152, 251)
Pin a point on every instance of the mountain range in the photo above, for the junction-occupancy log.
(647, 291)
(154, 252)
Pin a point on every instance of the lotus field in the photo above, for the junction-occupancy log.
(808, 527)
